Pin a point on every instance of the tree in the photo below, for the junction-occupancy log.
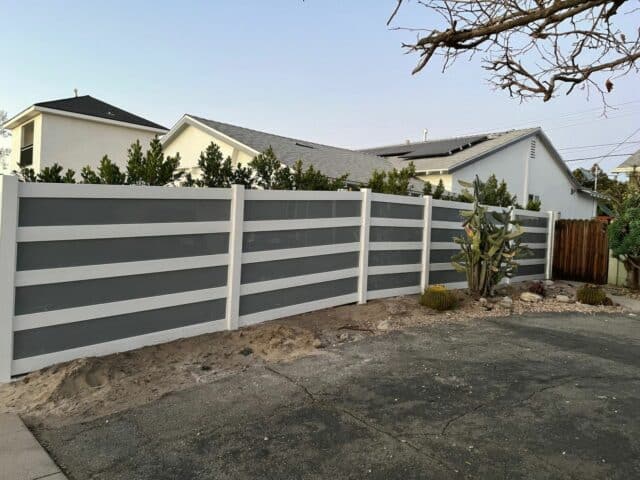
(489, 247)
(270, 174)
(624, 237)
(152, 168)
(312, 179)
(534, 48)
(395, 182)
(108, 173)
(4, 133)
(490, 193)
(218, 171)
(439, 192)
(613, 190)
(52, 174)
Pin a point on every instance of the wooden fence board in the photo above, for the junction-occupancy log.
(581, 251)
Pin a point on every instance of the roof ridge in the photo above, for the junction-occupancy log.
(279, 136)
(422, 142)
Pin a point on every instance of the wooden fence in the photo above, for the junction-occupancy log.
(581, 251)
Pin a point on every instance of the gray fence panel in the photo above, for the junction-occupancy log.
(56, 296)
(442, 256)
(446, 276)
(284, 239)
(394, 257)
(297, 209)
(71, 253)
(395, 234)
(258, 302)
(393, 280)
(101, 211)
(445, 234)
(271, 270)
(43, 340)
(532, 221)
(396, 210)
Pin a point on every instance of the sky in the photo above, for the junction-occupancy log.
(328, 71)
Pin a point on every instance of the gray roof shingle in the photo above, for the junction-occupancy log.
(332, 161)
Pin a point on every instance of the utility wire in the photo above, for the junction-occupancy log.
(598, 156)
(584, 147)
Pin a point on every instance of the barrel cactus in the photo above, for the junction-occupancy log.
(592, 295)
(438, 298)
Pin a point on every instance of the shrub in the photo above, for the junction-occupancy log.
(537, 288)
(592, 295)
(438, 298)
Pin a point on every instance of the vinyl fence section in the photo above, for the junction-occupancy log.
(89, 270)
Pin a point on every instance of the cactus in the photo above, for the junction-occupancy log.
(490, 246)
(438, 298)
(592, 295)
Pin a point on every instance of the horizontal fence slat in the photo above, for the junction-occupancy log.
(25, 278)
(393, 292)
(388, 198)
(282, 254)
(286, 282)
(294, 195)
(53, 190)
(94, 232)
(385, 269)
(299, 224)
(30, 364)
(446, 225)
(531, 261)
(297, 309)
(444, 246)
(396, 222)
(377, 246)
(535, 229)
(438, 267)
(90, 312)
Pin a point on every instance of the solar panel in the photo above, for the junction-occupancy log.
(440, 148)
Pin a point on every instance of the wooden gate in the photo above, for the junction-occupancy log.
(581, 251)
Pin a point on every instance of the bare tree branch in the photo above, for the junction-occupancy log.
(532, 48)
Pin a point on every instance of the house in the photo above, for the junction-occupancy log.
(526, 159)
(191, 135)
(630, 167)
(75, 132)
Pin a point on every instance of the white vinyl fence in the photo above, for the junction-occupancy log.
(89, 270)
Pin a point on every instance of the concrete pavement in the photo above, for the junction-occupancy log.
(21, 456)
(539, 396)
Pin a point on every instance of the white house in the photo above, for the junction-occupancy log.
(631, 168)
(525, 159)
(191, 135)
(75, 132)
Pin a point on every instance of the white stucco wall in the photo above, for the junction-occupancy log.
(75, 143)
(539, 175)
(191, 140)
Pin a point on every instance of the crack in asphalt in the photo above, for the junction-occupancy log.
(370, 425)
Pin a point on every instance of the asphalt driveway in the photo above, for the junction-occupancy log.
(550, 396)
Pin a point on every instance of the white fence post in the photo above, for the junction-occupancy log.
(364, 245)
(426, 243)
(551, 234)
(235, 256)
(8, 248)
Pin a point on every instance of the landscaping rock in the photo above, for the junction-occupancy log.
(530, 297)
(483, 301)
(563, 298)
(384, 325)
(548, 283)
(317, 343)
(246, 351)
(506, 302)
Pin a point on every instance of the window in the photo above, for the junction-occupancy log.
(533, 197)
(26, 145)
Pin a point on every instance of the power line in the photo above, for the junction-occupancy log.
(595, 146)
(598, 156)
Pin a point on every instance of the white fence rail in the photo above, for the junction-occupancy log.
(91, 270)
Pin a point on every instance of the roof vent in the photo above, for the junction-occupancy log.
(303, 145)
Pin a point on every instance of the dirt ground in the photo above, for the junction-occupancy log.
(88, 388)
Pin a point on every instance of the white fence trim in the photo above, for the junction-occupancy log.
(301, 224)
(388, 198)
(60, 190)
(91, 232)
(395, 222)
(297, 281)
(26, 278)
(8, 249)
(389, 269)
(394, 292)
(234, 270)
(534, 229)
(29, 364)
(551, 236)
(363, 258)
(294, 195)
(444, 246)
(439, 267)
(287, 253)
(381, 246)
(258, 317)
(426, 243)
(110, 309)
